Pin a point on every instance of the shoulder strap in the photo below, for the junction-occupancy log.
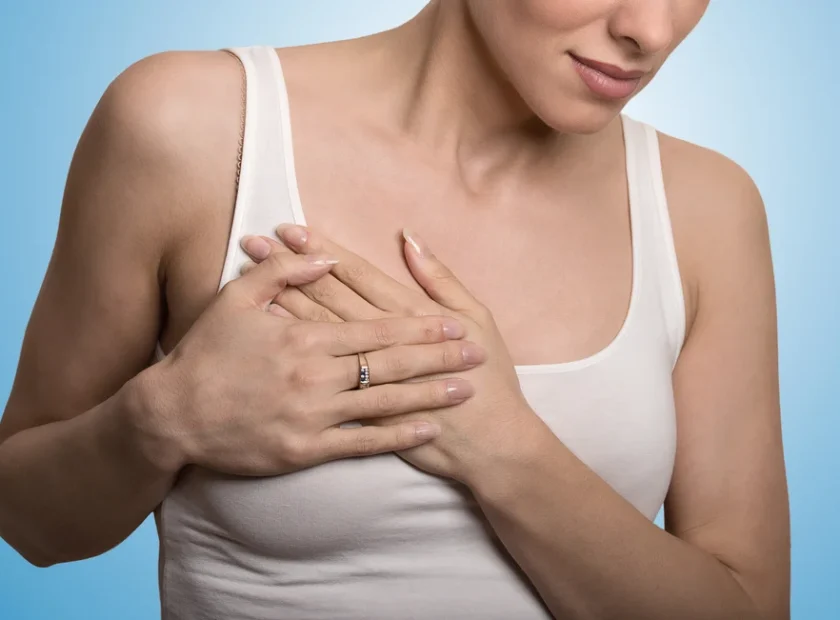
(652, 229)
(267, 194)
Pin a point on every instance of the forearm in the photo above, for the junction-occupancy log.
(76, 488)
(591, 554)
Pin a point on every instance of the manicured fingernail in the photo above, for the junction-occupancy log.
(452, 329)
(472, 354)
(293, 235)
(458, 389)
(416, 242)
(256, 246)
(320, 259)
(424, 430)
(246, 267)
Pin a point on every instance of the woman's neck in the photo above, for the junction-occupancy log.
(448, 94)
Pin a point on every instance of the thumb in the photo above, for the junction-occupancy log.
(262, 283)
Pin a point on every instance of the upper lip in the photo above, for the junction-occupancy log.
(608, 69)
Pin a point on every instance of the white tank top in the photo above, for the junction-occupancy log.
(375, 538)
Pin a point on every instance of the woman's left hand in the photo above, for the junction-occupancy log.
(496, 423)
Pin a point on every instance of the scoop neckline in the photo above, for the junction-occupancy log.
(299, 218)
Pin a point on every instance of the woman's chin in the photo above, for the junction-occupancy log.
(574, 115)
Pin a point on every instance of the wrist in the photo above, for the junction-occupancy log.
(150, 413)
(499, 477)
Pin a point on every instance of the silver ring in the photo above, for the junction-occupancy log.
(364, 372)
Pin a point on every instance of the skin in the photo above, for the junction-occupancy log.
(468, 118)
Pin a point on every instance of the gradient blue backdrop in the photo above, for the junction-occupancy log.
(756, 81)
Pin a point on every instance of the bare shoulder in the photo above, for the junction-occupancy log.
(169, 126)
(717, 213)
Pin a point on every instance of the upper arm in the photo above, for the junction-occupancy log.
(728, 494)
(127, 200)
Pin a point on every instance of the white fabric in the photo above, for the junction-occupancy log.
(375, 538)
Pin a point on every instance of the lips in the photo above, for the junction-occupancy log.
(611, 70)
(606, 80)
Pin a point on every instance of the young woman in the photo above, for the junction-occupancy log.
(564, 321)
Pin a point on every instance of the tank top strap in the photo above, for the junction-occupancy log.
(655, 255)
(267, 194)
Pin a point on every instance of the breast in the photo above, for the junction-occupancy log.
(379, 524)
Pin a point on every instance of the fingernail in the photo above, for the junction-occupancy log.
(293, 235)
(458, 389)
(424, 430)
(256, 246)
(246, 267)
(416, 242)
(452, 329)
(472, 354)
(320, 259)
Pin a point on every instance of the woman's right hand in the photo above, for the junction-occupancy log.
(251, 392)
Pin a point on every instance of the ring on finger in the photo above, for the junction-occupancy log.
(364, 371)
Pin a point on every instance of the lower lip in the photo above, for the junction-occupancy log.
(602, 84)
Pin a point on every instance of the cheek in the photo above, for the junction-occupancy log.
(563, 15)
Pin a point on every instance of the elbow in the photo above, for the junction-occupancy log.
(43, 554)
(32, 555)
(38, 560)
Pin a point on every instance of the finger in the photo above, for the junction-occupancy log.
(340, 339)
(339, 443)
(397, 398)
(259, 247)
(358, 274)
(297, 304)
(260, 284)
(396, 364)
(435, 277)
(327, 292)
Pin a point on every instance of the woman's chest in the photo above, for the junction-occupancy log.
(556, 272)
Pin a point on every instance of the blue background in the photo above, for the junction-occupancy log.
(757, 81)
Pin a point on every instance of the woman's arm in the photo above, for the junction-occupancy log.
(725, 553)
(77, 473)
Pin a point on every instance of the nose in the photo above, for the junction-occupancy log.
(646, 25)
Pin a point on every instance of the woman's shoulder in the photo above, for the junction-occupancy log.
(168, 129)
(173, 102)
(696, 173)
(717, 213)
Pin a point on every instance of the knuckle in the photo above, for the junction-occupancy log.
(354, 274)
(383, 334)
(451, 356)
(438, 393)
(293, 452)
(433, 330)
(395, 363)
(322, 315)
(443, 275)
(340, 333)
(385, 402)
(365, 444)
(321, 290)
(301, 337)
(304, 377)
(402, 437)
